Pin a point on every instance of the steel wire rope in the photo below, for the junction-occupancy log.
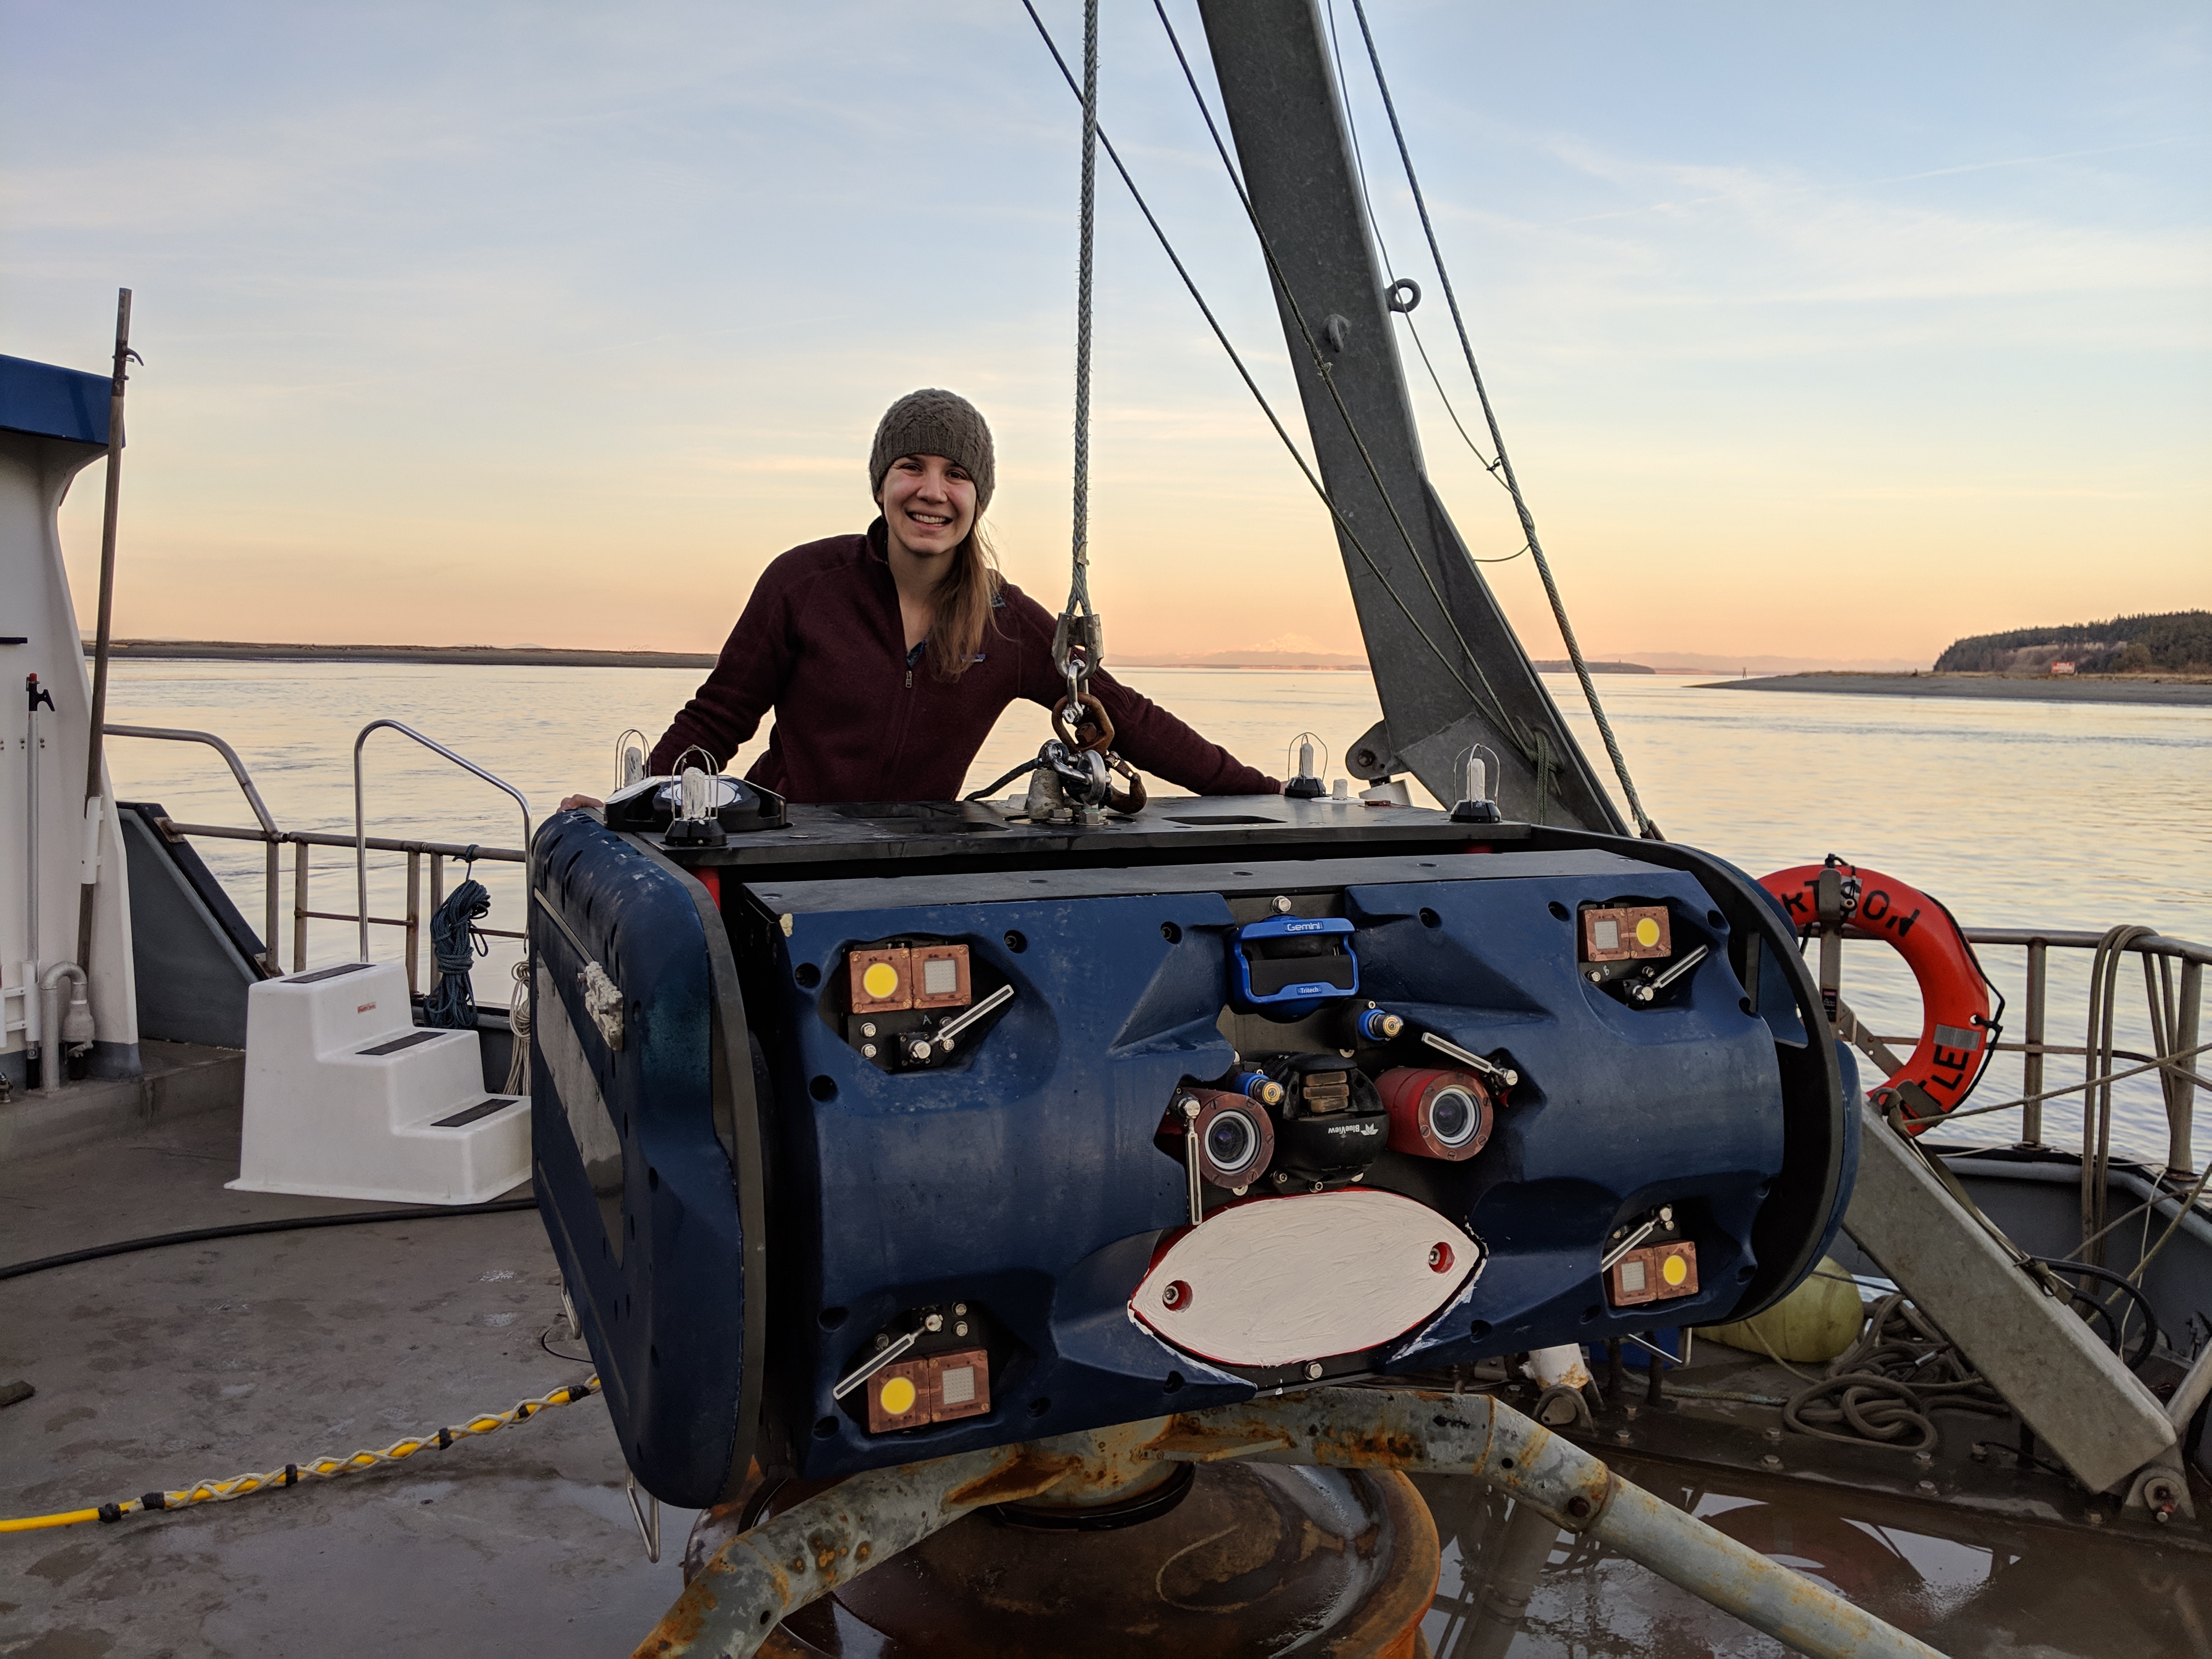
(1406, 316)
(1236, 361)
(2168, 1062)
(2097, 1043)
(1079, 587)
(1644, 824)
(2164, 996)
(1514, 730)
(2186, 1201)
(1389, 269)
(2142, 1263)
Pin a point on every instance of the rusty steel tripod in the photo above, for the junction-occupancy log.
(746, 1588)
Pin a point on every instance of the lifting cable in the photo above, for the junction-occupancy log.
(1078, 638)
(1236, 361)
(1502, 469)
(319, 1468)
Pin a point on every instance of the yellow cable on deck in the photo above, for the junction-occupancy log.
(320, 1468)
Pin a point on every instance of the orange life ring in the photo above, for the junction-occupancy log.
(1958, 1025)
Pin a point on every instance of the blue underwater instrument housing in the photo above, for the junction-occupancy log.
(877, 1133)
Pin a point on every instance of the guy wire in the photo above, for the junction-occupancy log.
(1375, 223)
(1236, 361)
(1514, 730)
(1643, 823)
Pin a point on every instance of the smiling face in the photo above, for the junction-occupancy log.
(929, 505)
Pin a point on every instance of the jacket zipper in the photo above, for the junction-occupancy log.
(899, 726)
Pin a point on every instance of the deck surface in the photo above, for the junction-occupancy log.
(203, 1361)
(157, 1369)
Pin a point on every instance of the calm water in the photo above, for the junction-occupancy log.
(2013, 814)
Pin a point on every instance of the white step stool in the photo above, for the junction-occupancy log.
(346, 1097)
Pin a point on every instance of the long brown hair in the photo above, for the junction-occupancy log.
(962, 604)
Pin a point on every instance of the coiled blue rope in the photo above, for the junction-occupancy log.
(454, 945)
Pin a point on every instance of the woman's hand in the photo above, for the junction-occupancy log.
(581, 803)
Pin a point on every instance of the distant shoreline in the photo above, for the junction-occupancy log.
(2050, 688)
(2042, 687)
(507, 655)
(533, 656)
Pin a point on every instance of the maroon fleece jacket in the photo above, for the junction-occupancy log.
(822, 642)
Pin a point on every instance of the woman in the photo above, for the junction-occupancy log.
(889, 656)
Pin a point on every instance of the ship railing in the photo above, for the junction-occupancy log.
(2173, 993)
(2173, 970)
(421, 965)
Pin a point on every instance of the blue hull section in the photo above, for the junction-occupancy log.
(991, 1197)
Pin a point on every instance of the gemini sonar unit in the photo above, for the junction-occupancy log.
(869, 1133)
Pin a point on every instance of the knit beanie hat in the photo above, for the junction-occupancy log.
(933, 422)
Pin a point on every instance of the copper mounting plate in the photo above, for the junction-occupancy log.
(1624, 932)
(901, 1396)
(882, 980)
(960, 1384)
(940, 976)
(937, 1388)
(1657, 1272)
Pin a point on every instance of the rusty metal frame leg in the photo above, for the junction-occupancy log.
(753, 1583)
(749, 1586)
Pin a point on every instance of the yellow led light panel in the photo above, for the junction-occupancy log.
(880, 979)
(1615, 932)
(1654, 1272)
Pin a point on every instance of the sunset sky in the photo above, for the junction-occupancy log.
(1828, 331)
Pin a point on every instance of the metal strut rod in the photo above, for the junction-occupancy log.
(754, 1582)
(95, 774)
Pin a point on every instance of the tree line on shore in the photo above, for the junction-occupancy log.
(2173, 642)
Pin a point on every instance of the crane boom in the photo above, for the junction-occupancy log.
(1449, 669)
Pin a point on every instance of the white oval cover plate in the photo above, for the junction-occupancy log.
(1279, 1281)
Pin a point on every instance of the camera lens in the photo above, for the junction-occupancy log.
(1230, 1140)
(1453, 1117)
